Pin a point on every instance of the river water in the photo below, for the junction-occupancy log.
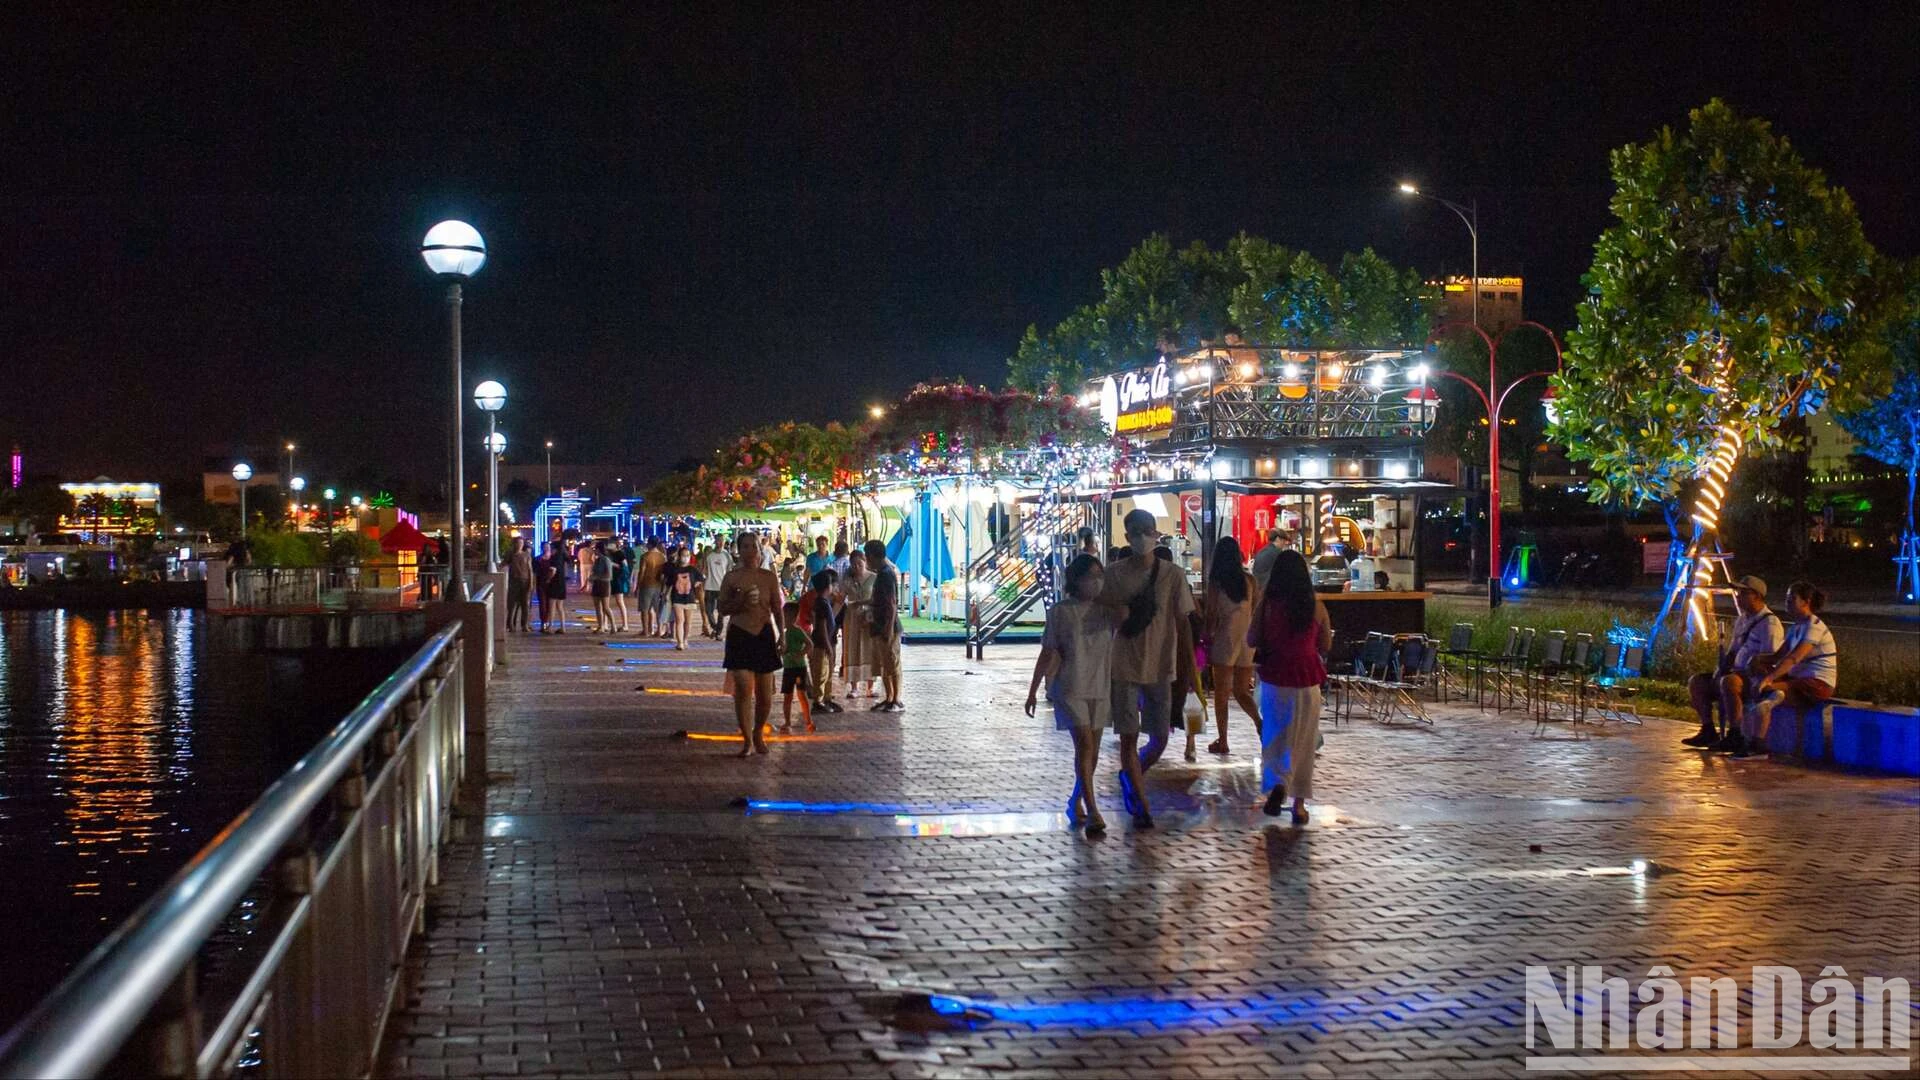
(127, 739)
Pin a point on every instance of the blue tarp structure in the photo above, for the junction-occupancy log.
(920, 548)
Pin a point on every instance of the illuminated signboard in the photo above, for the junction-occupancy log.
(1139, 402)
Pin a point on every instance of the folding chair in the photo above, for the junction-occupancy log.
(1394, 696)
(1616, 687)
(1508, 672)
(1533, 674)
(1460, 650)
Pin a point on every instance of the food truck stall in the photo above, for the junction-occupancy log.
(1234, 440)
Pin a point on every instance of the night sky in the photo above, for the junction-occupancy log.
(703, 221)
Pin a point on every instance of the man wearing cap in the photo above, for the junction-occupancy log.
(1756, 632)
(1145, 662)
(1278, 540)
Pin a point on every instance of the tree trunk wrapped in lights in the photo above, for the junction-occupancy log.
(1734, 290)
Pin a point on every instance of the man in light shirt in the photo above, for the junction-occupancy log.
(1145, 662)
(1756, 632)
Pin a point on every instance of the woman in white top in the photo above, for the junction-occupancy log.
(1076, 659)
(1804, 671)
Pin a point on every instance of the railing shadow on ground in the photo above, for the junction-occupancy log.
(322, 880)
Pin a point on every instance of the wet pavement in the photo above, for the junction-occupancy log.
(902, 895)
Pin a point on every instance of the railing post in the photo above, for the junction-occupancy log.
(169, 1040)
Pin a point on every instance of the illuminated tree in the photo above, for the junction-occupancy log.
(1734, 289)
(1162, 299)
(1888, 428)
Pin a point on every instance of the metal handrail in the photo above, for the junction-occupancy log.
(80, 1028)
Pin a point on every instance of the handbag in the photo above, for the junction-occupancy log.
(1143, 606)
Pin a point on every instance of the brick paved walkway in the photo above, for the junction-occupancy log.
(619, 916)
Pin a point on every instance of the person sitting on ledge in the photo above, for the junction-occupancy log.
(1803, 671)
(1756, 633)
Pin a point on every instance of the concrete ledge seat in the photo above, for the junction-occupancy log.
(1854, 734)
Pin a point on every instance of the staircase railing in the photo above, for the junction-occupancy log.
(1020, 570)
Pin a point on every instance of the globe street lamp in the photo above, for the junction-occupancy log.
(328, 495)
(242, 473)
(297, 485)
(454, 251)
(491, 397)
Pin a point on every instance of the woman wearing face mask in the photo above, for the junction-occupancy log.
(1075, 659)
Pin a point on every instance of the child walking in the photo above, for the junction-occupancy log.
(1076, 652)
(795, 648)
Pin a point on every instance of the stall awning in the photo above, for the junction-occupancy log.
(402, 537)
(1351, 485)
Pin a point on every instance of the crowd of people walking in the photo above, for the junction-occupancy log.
(1127, 644)
(841, 629)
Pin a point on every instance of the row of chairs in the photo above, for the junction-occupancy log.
(1387, 677)
(1565, 680)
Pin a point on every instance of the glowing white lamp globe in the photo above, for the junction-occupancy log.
(496, 443)
(298, 483)
(490, 396)
(454, 249)
(243, 472)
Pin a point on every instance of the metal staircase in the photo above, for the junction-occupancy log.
(1021, 570)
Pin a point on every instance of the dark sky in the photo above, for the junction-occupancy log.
(718, 217)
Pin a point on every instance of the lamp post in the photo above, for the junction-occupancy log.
(491, 397)
(1469, 215)
(242, 473)
(549, 466)
(328, 494)
(454, 251)
(297, 485)
(1494, 396)
(290, 449)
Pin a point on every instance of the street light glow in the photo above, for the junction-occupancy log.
(329, 494)
(298, 483)
(454, 249)
(496, 443)
(490, 396)
(876, 411)
(1409, 188)
(243, 472)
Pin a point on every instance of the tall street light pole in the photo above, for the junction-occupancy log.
(242, 473)
(328, 495)
(290, 449)
(1469, 216)
(549, 466)
(491, 397)
(297, 485)
(454, 251)
(1493, 396)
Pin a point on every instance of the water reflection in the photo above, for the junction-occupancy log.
(126, 739)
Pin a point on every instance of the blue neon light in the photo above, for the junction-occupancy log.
(777, 807)
(636, 644)
(1513, 581)
(1128, 1012)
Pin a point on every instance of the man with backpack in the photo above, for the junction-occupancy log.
(1151, 600)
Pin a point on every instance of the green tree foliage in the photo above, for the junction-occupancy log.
(1162, 299)
(1887, 428)
(1723, 240)
(40, 502)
